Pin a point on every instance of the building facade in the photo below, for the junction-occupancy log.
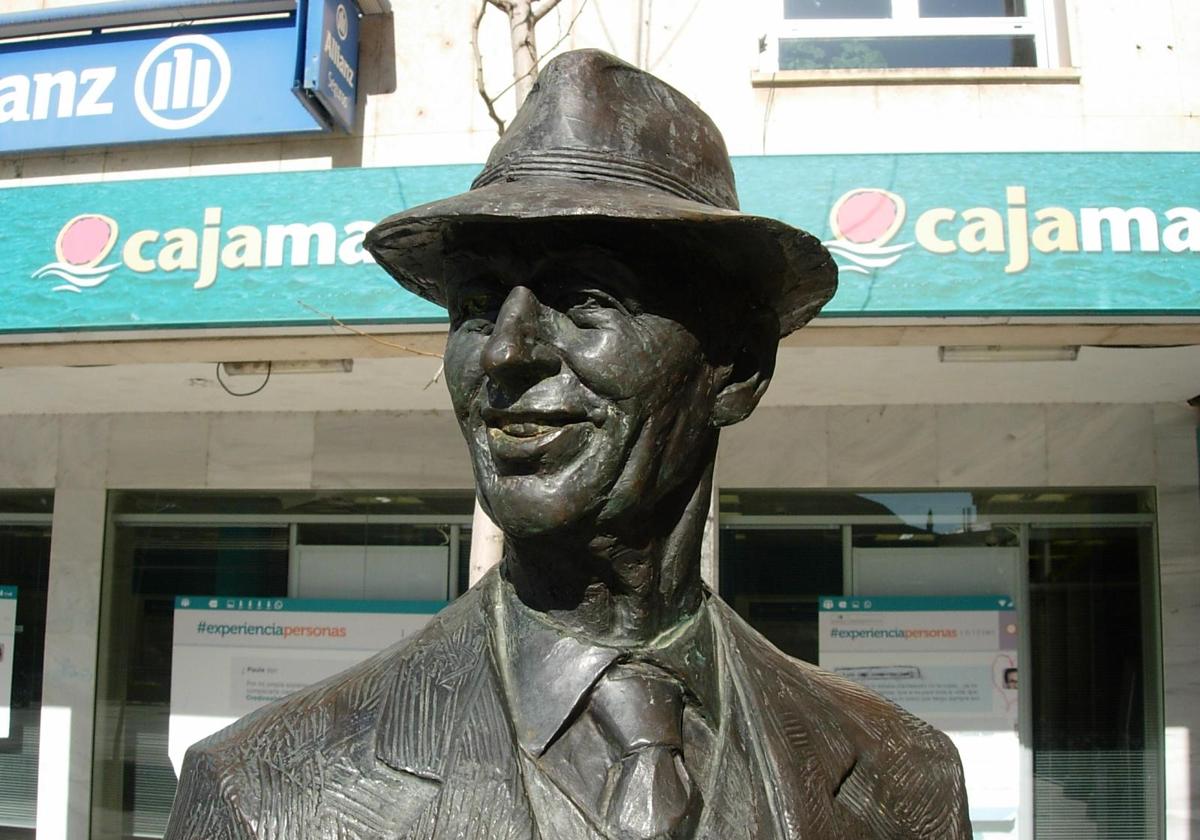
(207, 391)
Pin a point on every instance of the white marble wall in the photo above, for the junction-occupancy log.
(942, 446)
(1175, 448)
(82, 457)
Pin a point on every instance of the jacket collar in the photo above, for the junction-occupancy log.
(547, 673)
(454, 661)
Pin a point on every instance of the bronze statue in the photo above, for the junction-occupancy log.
(610, 310)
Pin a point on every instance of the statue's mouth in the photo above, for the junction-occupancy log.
(526, 430)
(529, 423)
(521, 439)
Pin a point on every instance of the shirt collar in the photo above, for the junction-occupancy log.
(547, 673)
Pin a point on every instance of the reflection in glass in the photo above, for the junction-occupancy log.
(1092, 678)
(772, 578)
(954, 506)
(834, 9)
(1096, 728)
(972, 8)
(25, 564)
(134, 782)
(256, 553)
(874, 53)
(371, 533)
(297, 502)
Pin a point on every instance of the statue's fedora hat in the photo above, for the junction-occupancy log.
(599, 139)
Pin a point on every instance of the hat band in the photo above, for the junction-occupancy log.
(587, 165)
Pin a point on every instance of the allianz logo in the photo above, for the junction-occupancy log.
(179, 84)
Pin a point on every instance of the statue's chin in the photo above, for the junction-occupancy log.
(538, 517)
(550, 501)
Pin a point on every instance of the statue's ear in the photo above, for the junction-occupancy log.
(743, 383)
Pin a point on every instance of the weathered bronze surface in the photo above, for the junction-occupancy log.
(610, 311)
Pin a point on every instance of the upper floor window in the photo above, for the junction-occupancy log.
(828, 34)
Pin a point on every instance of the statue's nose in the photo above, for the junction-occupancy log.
(516, 353)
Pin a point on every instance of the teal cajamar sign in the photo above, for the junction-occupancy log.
(947, 234)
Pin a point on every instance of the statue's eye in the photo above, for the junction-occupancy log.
(582, 305)
(478, 307)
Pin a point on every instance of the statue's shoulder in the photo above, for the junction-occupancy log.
(290, 759)
(858, 711)
(346, 704)
(890, 769)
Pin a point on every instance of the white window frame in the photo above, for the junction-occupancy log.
(906, 22)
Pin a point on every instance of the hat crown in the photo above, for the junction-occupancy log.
(591, 116)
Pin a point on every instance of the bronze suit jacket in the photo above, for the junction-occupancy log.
(416, 744)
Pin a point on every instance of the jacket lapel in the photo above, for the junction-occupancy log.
(444, 721)
(795, 764)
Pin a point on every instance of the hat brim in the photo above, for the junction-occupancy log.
(791, 270)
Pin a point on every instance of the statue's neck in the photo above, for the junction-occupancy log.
(624, 586)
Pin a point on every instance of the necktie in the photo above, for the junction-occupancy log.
(648, 794)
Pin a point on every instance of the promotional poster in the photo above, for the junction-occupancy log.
(8, 635)
(951, 661)
(233, 655)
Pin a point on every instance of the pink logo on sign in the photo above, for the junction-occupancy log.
(81, 246)
(863, 221)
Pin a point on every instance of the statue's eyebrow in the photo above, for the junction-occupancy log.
(602, 271)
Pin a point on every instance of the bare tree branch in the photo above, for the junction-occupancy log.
(570, 27)
(479, 83)
(553, 47)
(523, 37)
(375, 338)
(441, 369)
(679, 29)
(546, 8)
(521, 16)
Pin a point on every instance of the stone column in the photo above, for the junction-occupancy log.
(72, 630)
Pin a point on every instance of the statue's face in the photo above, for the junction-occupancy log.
(582, 399)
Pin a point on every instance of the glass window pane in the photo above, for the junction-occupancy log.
(972, 8)
(25, 566)
(772, 578)
(134, 780)
(427, 503)
(1096, 731)
(1092, 680)
(809, 9)
(949, 51)
(152, 561)
(464, 560)
(913, 507)
(372, 533)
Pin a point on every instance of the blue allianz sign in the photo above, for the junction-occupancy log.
(214, 80)
(331, 59)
